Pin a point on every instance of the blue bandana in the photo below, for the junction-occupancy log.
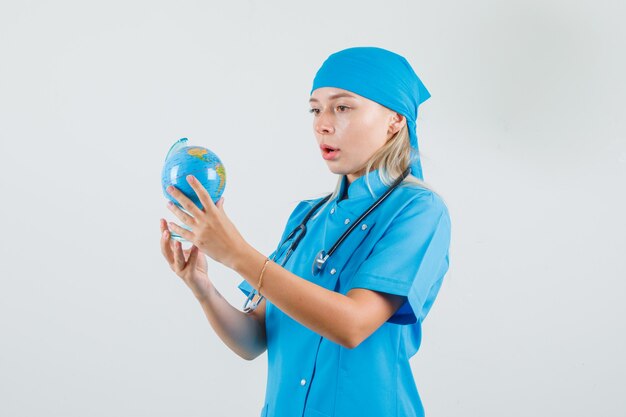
(381, 76)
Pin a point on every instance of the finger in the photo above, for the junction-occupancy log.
(184, 217)
(184, 233)
(220, 203)
(166, 245)
(163, 225)
(201, 192)
(179, 258)
(184, 201)
(193, 256)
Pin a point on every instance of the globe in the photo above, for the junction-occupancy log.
(183, 159)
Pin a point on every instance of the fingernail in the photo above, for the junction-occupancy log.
(165, 233)
(190, 178)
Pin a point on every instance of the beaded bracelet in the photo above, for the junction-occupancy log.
(261, 276)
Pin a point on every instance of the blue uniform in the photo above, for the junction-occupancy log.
(401, 248)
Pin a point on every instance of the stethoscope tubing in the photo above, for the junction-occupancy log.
(368, 211)
(249, 305)
(302, 226)
(322, 256)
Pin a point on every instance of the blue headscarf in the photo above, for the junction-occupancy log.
(381, 76)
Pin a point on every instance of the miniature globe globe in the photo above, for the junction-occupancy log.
(183, 160)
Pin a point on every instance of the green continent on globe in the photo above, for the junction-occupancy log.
(219, 168)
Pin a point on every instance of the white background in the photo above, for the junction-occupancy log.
(524, 137)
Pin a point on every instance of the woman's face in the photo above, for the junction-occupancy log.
(354, 126)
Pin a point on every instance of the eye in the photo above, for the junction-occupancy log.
(314, 111)
(342, 108)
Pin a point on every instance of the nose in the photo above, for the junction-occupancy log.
(323, 123)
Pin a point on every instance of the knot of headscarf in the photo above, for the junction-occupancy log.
(381, 76)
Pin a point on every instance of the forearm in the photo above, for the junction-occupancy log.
(328, 313)
(241, 332)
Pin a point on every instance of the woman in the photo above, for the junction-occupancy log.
(339, 330)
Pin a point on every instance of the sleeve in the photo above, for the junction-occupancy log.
(410, 259)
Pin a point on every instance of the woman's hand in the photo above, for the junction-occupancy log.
(187, 264)
(213, 232)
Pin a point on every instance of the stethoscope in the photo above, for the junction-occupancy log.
(322, 256)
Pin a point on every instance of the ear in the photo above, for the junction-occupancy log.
(396, 122)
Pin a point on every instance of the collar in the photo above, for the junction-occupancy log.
(359, 187)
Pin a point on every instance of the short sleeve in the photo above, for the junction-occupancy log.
(411, 258)
(245, 287)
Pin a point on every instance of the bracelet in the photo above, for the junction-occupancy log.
(261, 276)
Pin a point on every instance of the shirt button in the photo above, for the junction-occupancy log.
(346, 221)
(303, 382)
(332, 210)
(332, 271)
(363, 227)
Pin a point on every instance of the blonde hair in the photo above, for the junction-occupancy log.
(391, 160)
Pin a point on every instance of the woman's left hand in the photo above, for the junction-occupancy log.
(213, 232)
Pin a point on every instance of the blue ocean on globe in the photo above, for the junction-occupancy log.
(182, 160)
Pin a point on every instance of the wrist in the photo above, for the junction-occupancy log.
(240, 257)
(204, 293)
(246, 263)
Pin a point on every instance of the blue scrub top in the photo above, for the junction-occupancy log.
(400, 248)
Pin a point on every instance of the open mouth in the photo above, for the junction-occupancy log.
(328, 152)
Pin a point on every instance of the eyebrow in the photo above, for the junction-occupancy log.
(334, 96)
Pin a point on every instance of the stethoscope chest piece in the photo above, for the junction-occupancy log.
(318, 263)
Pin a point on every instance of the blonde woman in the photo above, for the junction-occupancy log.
(340, 303)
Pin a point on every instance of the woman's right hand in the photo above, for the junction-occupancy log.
(188, 264)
